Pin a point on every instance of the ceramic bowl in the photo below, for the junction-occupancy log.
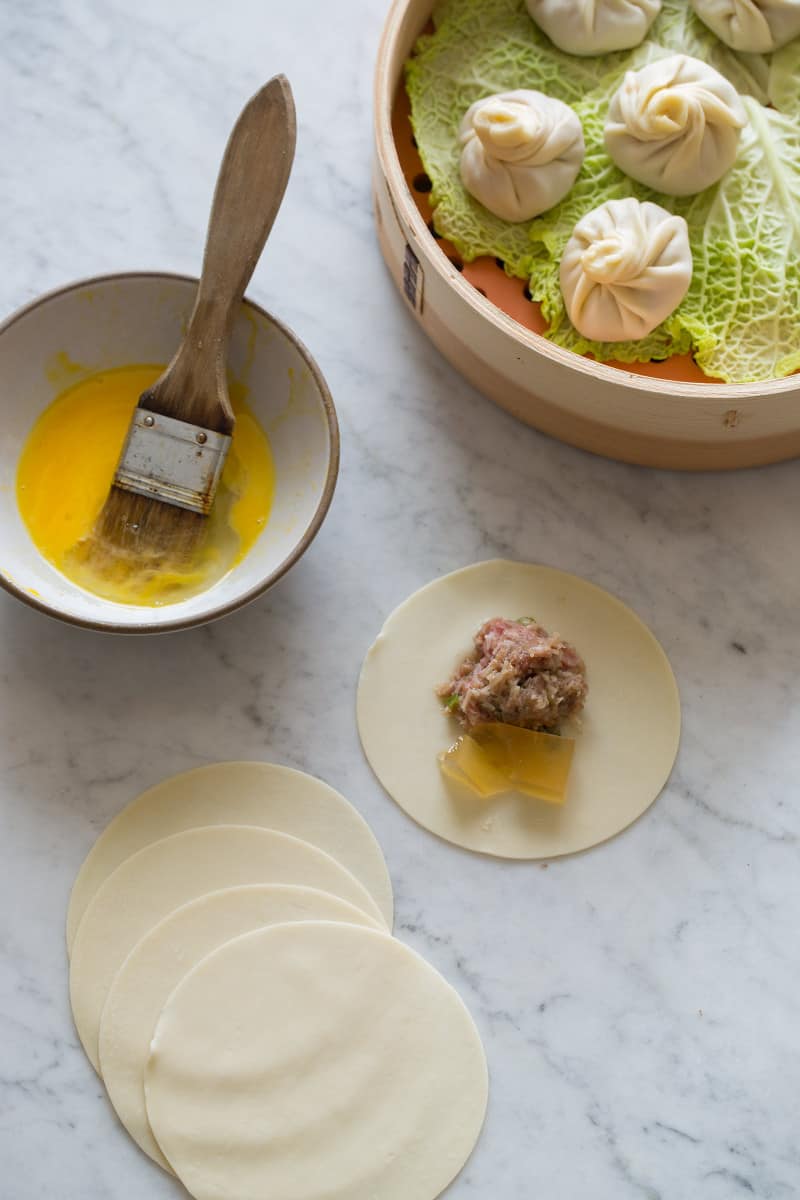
(119, 319)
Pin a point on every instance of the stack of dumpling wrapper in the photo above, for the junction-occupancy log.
(234, 980)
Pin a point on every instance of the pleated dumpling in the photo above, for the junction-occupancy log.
(521, 153)
(755, 26)
(674, 125)
(588, 27)
(626, 267)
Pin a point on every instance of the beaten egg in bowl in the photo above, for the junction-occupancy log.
(67, 467)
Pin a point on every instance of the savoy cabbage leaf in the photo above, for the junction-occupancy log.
(739, 317)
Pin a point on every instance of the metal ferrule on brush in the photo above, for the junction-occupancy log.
(172, 461)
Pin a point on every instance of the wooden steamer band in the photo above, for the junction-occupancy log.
(639, 419)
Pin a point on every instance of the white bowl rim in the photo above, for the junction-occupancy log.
(311, 530)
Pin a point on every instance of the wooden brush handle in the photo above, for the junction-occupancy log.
(250, 186)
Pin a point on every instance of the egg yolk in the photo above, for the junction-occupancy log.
(67, 467)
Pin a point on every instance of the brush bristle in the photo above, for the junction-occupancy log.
(138, 533)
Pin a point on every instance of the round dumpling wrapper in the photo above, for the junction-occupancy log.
(237, 793)
(521, 152)
(626, 267)
(589, 27)
(159, 962)
(751, 26)
(627, 739)
(316, 1060)
(675, 125)
(160, 878)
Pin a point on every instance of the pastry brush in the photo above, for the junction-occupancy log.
(177, 442)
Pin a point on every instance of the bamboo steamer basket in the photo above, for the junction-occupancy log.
(658, 415)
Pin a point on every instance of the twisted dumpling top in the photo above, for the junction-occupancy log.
(674, 125)
(755, 26)
(588, 27)
(626, 267)
(522, 152)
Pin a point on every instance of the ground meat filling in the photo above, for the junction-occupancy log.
(518, 674)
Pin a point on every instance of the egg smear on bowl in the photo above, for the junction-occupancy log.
(67, 467)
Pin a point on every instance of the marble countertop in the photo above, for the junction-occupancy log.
(638, 1002)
